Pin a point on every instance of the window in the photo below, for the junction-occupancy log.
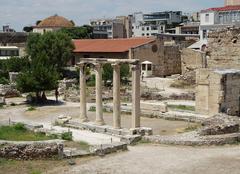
(204, 34)
(144, 67)
(143, 34)
(148, 28)
(149, 67)
(143, 28)
(206, 17)
(147, 34)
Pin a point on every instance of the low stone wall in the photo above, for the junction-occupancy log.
(9, 91)
(194, 139)
(108, 148)
(31, 150)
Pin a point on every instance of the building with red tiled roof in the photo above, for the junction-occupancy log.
(219, 17)
(165, 61)
(53, 23)
(109, 45)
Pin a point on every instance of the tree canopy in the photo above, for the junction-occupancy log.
(48, 55)
(84, 32)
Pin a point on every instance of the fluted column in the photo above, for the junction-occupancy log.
(83, 103)
(116, 97)
(99, 105)
(136, 111)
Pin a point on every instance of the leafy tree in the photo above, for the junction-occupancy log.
(84, 32)
(49, 54)
(56, 46)
(108, 72)
(15, 64)
(38, 22)
(28, 29)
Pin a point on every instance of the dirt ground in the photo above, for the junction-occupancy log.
(156, 159)
(48, 114)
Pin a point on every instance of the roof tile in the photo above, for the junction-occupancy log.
(109, 45)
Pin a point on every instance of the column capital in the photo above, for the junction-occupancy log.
(97, 66)
(115, 65)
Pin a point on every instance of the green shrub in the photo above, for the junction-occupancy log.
(67, 136)
(91, 81)
(20, 127)
(4, 81)
(92, 109)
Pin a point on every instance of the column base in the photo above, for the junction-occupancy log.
(84, 120)
(99, 122)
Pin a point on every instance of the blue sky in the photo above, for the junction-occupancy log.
(19, 13)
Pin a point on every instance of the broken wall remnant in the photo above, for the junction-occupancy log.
(192, 60)
(224, 48)
(218, 91)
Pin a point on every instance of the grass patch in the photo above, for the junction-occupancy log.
(18, 132)
(182, 107)
(36, 172)
(6, 162)
(92, 109)
(79, 145)
(1, 106)
(32, 108)
(144, 141)
(67, 136)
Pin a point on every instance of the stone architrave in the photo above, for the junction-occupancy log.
(83, 103)
(116, 97)
(99, 105)
(136, 112)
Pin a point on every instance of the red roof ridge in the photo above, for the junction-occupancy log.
(110, 45)
(225, 8)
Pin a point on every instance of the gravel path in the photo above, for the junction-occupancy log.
(150, 159)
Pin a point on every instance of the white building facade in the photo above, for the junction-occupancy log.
(153, 23)
(217, 18)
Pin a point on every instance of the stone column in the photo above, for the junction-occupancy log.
(136, 111)
(99, 105)
(116, 97)
(83, 103)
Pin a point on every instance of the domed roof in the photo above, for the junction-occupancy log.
(55, 21)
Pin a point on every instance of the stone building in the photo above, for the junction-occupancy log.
(52, 23)
(224, 48)
(218, 91)
(166, 60)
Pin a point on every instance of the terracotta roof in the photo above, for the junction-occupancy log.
(109, 45)
(226, 8)
(55, 21)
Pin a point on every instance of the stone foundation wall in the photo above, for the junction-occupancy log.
(9, 91)
(30, 150)
(218, 91)
(224, 49)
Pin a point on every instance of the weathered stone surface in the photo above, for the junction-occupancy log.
(108, 148)
(218, 91)
(30, 150)
(191, 61)
(220, 124)
(9, 91)
(228, 56)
